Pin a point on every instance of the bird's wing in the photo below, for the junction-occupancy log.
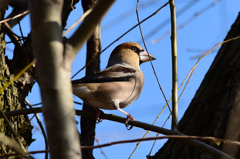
(115, 73)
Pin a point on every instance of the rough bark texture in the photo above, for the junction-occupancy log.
(93, 48)
(215, 109)
(13, 97)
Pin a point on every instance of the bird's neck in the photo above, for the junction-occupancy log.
(113, 60)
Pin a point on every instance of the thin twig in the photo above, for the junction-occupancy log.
(161, 113)
(217, 141)
(199, 13)
(30, 152)
(190, 75)
(72, 5)
(166, 21)
(211, 139)
(152, 124)
(186, 22)
(41, 127)
(150, 58)
(14, 37)
(73, 101)
(152, 146)
(218, 44)
(4, 151)
(37, 104)
(191, 72)
(196, 57)
(120, 38)
(20, 39)
(17, 42)
(78, 21)
(13, 132)
(19, 15)
(17, 76)
(155, 76)
(125, 15)
(20, 28)
(20, 112)
(12, 143)
(185, 85)
(202, 146)
(101, 148)
(77, 103)
(174, 65)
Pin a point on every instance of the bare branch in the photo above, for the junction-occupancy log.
(89, 24)
(121, 37)
(78, 21)
(41, 127)
(54, 72)
(12, 143)
(20, 148)
(19, 15)
(174, 65)
(213, 139)
(200, 145)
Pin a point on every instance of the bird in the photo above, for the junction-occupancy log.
(117, 86)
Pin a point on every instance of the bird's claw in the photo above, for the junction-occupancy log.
(129, 117)
(99, 120)
(98, 114)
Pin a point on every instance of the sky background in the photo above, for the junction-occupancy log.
(209, 27)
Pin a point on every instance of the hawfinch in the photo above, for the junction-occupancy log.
(119, 84)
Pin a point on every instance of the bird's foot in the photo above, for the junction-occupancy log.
(99, 120)
(129, 117)
(98, 114)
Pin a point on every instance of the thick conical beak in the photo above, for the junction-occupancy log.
(144, 56)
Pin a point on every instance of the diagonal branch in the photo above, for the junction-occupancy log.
(205, 138)
(41, 127)
(89, 24)
(10, 142)
(200, 145)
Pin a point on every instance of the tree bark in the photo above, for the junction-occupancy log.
(54, 71)
(12, 98)
(215, 109)
(93, 48)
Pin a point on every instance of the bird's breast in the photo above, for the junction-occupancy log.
(102, 95)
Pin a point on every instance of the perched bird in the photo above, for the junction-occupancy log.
(117, 86)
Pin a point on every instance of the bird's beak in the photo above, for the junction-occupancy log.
(145, 56)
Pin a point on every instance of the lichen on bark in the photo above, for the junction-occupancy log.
(11, 99)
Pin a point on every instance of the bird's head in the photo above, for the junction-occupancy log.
(129, 53)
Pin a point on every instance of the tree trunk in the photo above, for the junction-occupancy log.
(12, 98)
(215, 109)
(93, 48)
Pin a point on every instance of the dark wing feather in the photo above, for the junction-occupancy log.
(116, 73)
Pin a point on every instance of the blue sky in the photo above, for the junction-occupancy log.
(201, 34)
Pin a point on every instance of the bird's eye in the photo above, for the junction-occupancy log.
(134, 48)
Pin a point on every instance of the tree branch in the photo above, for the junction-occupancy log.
(89, 24)
(213, 139)
(41, 127)
(200, 145)
(93, 48)
(54, 72)
(174, 65)
(12, 143)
